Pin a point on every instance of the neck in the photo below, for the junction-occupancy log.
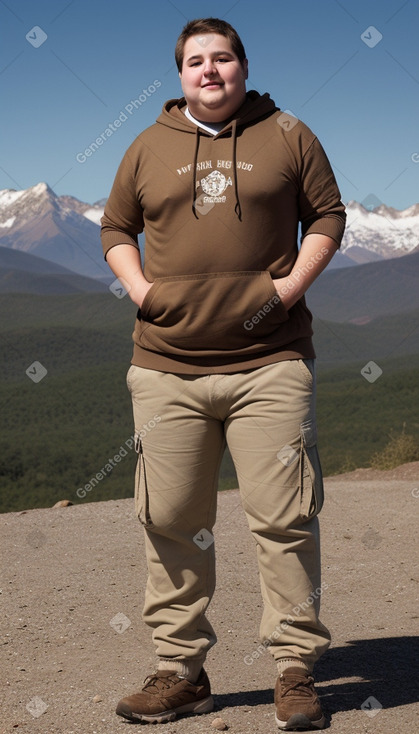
(211, 117)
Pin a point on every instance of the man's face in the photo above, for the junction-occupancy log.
(212, 77)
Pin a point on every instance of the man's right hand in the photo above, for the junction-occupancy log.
(139, 290)
(125, 262)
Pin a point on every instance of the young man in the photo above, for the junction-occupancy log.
(223, 353)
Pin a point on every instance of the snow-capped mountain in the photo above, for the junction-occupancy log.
(381, 233)
(93, 212)
(64, 230)
(58, 228)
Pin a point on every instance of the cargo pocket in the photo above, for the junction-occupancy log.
(141, 489)
(311, 478)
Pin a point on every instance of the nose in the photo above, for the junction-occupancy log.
(209, 67)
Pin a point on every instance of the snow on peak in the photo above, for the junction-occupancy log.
(95, 214)
(8, 222)
(40, 188)
(17, 207)
(9, 196)
(382, 230)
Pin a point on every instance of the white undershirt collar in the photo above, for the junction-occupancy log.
(212, 127)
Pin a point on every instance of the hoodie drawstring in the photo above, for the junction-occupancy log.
(237, 207)
(194, 164)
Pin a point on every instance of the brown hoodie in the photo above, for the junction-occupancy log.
(220, 215)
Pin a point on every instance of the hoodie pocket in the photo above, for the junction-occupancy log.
(210, 313)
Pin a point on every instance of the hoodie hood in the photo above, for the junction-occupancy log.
(255, 107)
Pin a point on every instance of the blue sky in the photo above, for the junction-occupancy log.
(360, 95)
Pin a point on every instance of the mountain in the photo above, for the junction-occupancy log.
(365, 292)
(21, 272)
(93, 212)
(340, 260)
(381, 233)
(60, 229)
(65, 230)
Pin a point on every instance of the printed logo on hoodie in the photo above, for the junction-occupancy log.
(214, 185)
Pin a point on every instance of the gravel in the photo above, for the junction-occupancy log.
(73, 642)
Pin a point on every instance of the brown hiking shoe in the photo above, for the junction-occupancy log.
(165, 695)
(297, 704)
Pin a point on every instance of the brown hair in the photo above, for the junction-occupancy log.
(209, 25)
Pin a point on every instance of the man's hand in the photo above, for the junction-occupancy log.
(138, 291)
(125, 262)
(315, 253)
(288, 290)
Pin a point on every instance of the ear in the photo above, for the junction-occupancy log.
(246, 68)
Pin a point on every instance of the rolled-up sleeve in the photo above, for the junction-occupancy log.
(321, 210)
(122, 219)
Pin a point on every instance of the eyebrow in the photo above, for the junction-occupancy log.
(214, 53)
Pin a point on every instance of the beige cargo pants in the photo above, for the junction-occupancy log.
(266, 416)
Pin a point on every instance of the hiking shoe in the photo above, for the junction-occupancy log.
(166, 694)
(297, 704)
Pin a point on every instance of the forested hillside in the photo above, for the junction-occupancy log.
(59, 433)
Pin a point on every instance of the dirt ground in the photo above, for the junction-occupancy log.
(73, 642)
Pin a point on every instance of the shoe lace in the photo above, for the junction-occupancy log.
(161, 683)
(303, 685)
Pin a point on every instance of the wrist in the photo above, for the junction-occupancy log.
(139, 291)
(289, 290)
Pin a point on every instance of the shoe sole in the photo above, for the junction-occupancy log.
(300, 722)
(196, 707)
